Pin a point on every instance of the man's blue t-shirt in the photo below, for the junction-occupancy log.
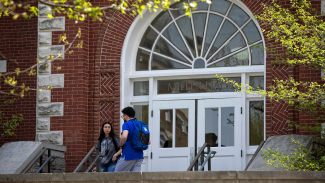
(128, 151)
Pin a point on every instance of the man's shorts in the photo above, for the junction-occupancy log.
(128, 165)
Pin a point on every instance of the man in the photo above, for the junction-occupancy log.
(131, 159)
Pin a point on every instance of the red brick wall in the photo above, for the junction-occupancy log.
(18, 41)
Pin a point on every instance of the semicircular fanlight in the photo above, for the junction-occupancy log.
(216, 35)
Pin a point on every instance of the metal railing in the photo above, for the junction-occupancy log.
(40, 157)
(195, 163)
(89, 156)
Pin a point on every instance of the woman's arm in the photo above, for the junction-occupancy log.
(116, 154)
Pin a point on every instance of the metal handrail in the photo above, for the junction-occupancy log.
(39, 156)
(200, 155)
(89, 156)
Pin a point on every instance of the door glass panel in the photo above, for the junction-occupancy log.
(185, 26)
(257, 54)
(141, 88)
(172, 34)
(148, 38)
(161, 63)
(161, 20)
(227, 126)
(227, 30)
(235, 44)
(142, 62)
(141, 113)
(211, 126)
(257, 82)
(213, 26)
(256, 122)
(238, 15)
(181, 128)
(199, 20)
(166, 128)
(220, 6)
(239, 59)
(166, 49)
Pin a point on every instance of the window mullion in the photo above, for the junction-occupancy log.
(194, 35)
(205, 31)
(229, 55)
(215, 36)
(179, 31)
(170, 58)
(171, 44)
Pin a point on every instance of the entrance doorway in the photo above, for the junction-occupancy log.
(173, 139)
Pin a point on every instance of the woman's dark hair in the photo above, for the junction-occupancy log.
(129, 111)
(111, 134)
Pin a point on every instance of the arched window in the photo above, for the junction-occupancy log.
(219, 35)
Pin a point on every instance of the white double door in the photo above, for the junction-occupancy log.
(173, 135)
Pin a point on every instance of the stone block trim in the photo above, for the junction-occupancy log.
(44, 10)
(41, 69)
(44, 38)
(43, 124)
(44, 96)
(56, 80)
(50, 109)
(53, 137)
(54, 24)
(44, 52)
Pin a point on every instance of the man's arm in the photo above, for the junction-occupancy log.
(124, 137)
(149, 142)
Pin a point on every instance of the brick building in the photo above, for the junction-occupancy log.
(163, 65)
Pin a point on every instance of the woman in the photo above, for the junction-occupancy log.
(108, 145)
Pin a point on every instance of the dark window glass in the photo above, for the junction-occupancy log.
(172, 34)
(166, 128)
(227, 126)
(161, 63)
(148, 38)
(251, 32)
(211, 126)
(220, 6)
(227, 30)
(166, 49)
(235, 44)
(185, 26)
(257, 54)
(256, 122)
(202, 6)
(257, 82)
(238, 15)
(213, 26)
(239, 59)
(142, 113)
(141, 88)
(142, 61)
(199, 20)
(161, 20)
(181, 128)
(199, 63)
(179, 7)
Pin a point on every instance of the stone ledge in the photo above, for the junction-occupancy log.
(53, 137)
(49, 109)
(56, 80)
(41, 69)
(54, 24)
(171, 177)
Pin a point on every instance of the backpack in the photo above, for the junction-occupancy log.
(141, 136)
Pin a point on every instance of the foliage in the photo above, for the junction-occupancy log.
(299, 160)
